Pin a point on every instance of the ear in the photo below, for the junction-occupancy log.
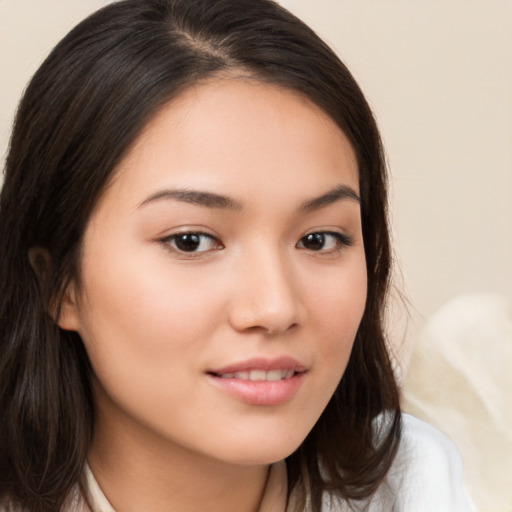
(65, 312)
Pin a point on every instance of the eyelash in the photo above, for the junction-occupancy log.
(340, 240)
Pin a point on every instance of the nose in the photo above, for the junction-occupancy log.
(266, 295)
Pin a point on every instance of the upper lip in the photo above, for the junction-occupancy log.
(261, 363)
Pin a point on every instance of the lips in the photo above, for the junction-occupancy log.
(260, 381)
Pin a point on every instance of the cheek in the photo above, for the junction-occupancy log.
(336, 304)
(339, 301)
(136, 313)
(144, 332)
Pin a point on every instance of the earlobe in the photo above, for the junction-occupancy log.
(64, 312)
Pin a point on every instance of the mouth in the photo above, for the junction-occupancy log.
(260, 381)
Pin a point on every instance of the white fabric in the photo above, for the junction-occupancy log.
(427, 473)
(460, 381)
(96, 496)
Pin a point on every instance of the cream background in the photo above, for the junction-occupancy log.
(438, 75)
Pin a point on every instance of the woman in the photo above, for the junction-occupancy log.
(194, 273)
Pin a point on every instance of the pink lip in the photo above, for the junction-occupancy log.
(263, 393)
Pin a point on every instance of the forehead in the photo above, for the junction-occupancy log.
(231, 131)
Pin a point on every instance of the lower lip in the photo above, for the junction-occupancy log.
(261, 392)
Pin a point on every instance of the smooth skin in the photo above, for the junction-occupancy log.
(231, 231)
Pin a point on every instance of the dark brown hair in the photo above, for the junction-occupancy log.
(80, 113)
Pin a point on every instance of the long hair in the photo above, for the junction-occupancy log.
(80, 113)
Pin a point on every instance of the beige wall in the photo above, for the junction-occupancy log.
(439, 77)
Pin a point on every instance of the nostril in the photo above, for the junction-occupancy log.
(278, 332)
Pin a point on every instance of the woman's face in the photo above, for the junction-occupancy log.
(223, 275)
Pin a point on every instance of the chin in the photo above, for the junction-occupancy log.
(261, 450)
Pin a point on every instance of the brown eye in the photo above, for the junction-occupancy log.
(314, 241)
(192, 242)
(324, 241)
(188, 242)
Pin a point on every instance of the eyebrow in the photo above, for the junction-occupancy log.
(339, 193)
(213, 200)
(197, 197)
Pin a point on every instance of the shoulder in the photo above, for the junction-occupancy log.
(427, 472)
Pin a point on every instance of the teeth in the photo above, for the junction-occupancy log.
(260, 375)
(257, 375)
(274, 375)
